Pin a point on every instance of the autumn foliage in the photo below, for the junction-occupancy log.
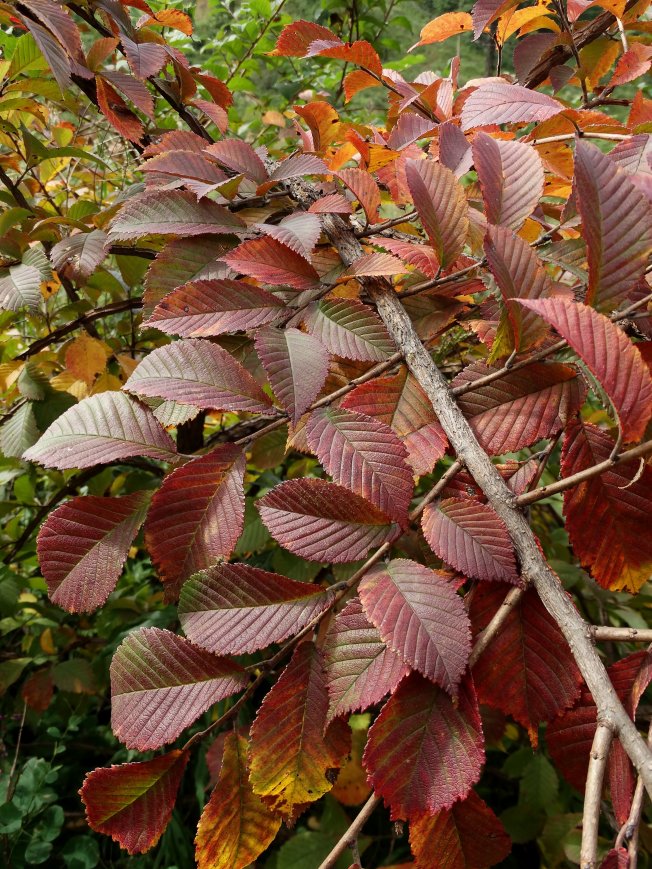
(510, 217)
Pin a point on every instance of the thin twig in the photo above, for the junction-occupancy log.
(628, 833)
(263, 30)
(607, 634)
(484, 639)
(593, 795)
(351, 834)
(637, 452)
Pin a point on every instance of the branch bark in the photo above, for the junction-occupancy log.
(352, 833)
(534, 567)
(593, 795)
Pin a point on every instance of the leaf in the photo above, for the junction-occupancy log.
(351, 329)
(522, 407)
(361, 53)
(614, 544)
(365, 190)
(375, 265)
(291, 758)
(183, 261)
(322, 521)
(529, 672)
(295, 38)
(466, 836)
(102, 429)
(199, 373)
(117, 112)
(487, 11)
(161, 683)
(133, 802)
(334, 203)
(454, 150)
(471, 538)
(634, 62)
(323, 122)
(617, 226)
(443, 27)
(85, 358)
(401, 403)
(424, 752)
(519, 274)
(172, 212)
(81, 253)
(617, 858)
(272, 262)
(236, 826)
(83, 545)
(421, 617)
(365, 456)
(296, 365)
(441, 205)
(511, 179)
(232, 609)
(21, 288)
(57, 59)
(202, 309)
(299, 231)
(240, 157)
(499, 103)
(297, 166)
(608, 354)
(197, 515)
(145, 58)
(360, 669)
(570, 736)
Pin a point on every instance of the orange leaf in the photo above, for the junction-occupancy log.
(236, 826)
(443, 27)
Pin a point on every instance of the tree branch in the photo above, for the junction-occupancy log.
(593, 795)
(534, 567)
(607, 634)
(352, 833)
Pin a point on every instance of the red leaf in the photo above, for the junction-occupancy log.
(172, 212)
(82, 547)
(334, 203)
(295, 38)
(471, 538)
(617, 858)
(351, 329)
(614, 543)
(117, 112)
(402, 404)
(236, 826)
(324, 124)
(133, 802)
(417, 255)
(360, 668)
(408, 129)
(365, 456)
(634, 62)
(240, 157)
(232, 609)
(466, 836)
(196, 515)
(529, 671)
(299, 231)
(144, 58)
(617, 226)
(486, 11)
(365, 190)
(511, 179)
(570, 736)
(375, 265)
(291, 758)
(322, 521)
(299, 165)
(204, 308)
(521, 408)
(519, 274)
(610, 356)
(133, 89)
(499, 103)
(161, 683)
(99, 430)
(199, 373)
(296, 365)
(360, 52)
(421, 617)
(186, 165)
(442, 207)
(38, 689)
(424, 753)
(454, 149)
(272, 262)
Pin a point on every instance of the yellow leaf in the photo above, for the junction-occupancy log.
(67, 382)
(127, 364)
(86, 358)
(46, 642)
(49, 288)
(446, 25)
(9, 372)
(275, 119)
(106, 382)
(351, 787)
(597, 60)
(530, 231)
